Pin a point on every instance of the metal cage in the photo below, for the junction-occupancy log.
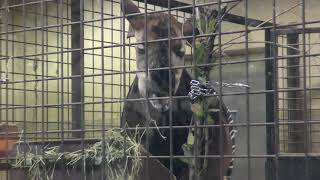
(70, 72)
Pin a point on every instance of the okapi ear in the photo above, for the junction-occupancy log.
(188, 29)
(129, 8)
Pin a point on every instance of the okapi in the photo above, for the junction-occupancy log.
(156, 111)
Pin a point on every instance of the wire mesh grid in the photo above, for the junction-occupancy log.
(70, 71)
(292, 100)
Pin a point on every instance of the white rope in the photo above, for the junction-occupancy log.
(230, 85)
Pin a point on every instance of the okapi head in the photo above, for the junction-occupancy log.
(157, 53)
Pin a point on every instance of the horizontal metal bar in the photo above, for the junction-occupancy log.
(298, 31)
(110, 101)
(232, 18)
(236, 125)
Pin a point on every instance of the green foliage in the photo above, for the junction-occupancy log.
(211, 25)
(197, 110)
(202, 25)
(202, 46)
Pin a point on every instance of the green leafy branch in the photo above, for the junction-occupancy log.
(199, 139)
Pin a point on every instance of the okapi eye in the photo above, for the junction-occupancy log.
(141, 49)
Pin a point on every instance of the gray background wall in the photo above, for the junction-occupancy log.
(257, 112)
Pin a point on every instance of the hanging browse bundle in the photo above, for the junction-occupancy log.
(206, 106)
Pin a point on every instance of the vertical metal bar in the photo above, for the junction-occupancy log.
(68, 7)
(7, 71)
(170, 89)
(147, 85)
(24, 79)
(305, 117)
(13, 69)
(1, 74)
(193, 175)
(81, 122)
(62, 137)
(129, 55)
(122, 59)
(275, 89)
(295, 105)
(7, 61)
(310, 93)
(112, 65)
(43, 132)
(47, 74)
(58, 69)
(247, 89)
(123, 91)
(270, 108)
(104, 175)
(77, 64)
(221, 127)
(35, 71)
(283, 94)
(93, 67)
(13, 111)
